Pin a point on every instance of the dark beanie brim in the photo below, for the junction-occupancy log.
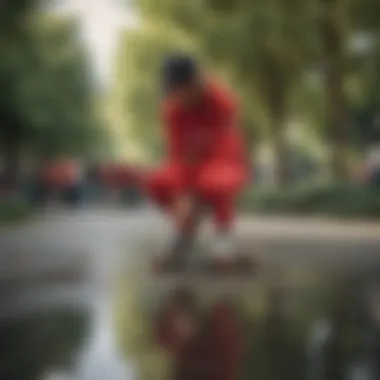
(178, 70)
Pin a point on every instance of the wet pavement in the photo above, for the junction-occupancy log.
(66, 263)
(64, 257)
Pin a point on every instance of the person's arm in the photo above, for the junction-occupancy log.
(229, 142)
(172, 136)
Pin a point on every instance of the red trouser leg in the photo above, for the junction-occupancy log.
(219, 184)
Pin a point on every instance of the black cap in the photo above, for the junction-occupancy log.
(178, 69)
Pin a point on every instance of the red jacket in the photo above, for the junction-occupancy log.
(206, 132)
(117, 175)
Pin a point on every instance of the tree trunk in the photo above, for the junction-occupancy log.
(337, 116)
(281, 152)
(282, 169)
(11, 169)
(275, 90)
(251, 143)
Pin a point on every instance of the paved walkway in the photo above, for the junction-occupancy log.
(94, 240)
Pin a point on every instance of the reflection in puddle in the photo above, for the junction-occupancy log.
(81, 344)
(31, 344)
(62, 331)
(101, 358)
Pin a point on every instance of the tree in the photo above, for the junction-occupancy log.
(47, 103)
(12, 35)
(57, 92)
(333, 61)
(290, 60)
(349, 32)
(261, 47)
(364, 70)
(137, 93)
(47, 340)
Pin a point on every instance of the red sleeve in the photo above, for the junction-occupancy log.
(229, 143)
(226, 104)
(172, 137)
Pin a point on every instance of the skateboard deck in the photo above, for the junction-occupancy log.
(179, 254)
(195, 260)
(187, 256)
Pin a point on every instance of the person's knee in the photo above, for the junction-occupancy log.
(209, 188)
(220, 181)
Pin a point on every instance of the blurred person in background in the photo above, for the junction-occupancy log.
(206, 157)
(63, 180)
(120, 182)
(92, 182)
(372, 165)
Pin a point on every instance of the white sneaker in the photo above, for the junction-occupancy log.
(223, 247)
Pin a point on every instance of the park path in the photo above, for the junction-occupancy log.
(95, 240)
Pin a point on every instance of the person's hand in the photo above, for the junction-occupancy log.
(183, 208)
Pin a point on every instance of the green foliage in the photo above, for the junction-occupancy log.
(278, 351)
(139, 88)
(46, 104)
(13, 15)
(260, 48)
(341, 200)
(288, 61)
(134, 329)
(13, 210)
(35, 343)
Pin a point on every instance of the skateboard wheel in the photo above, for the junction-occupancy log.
(245, 265)
(222, 267)
(160, 264)
(166, 264)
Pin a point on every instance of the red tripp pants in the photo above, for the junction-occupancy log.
(217, 184)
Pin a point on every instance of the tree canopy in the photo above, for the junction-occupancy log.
(291, 62)
(47, 100)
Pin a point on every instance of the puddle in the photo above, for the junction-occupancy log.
(35, 342)
(57, 319)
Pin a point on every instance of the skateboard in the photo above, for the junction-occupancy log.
(187, 256)
(200, 264)
(181, 250)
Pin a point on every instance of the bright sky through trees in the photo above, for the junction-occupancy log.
(101, 22)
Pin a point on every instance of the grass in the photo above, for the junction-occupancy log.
(335, 200)
(14, 210)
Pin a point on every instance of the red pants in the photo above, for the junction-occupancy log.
(217, 184)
